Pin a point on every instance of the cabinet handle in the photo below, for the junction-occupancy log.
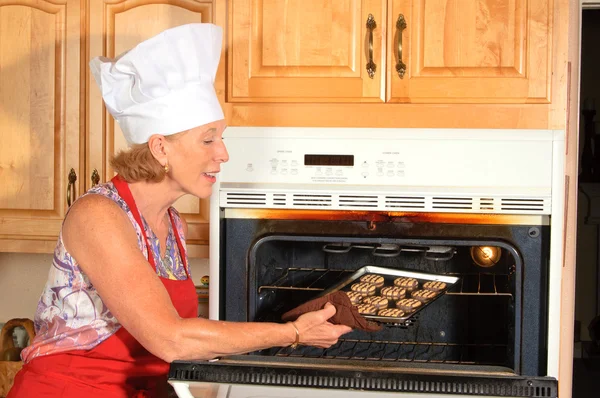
(71, 186)
(400, 66)
(95, 178)
(371, 67)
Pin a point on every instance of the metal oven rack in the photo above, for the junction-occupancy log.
(403, 351)
(318, 279)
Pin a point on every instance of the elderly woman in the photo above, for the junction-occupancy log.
(119, 303)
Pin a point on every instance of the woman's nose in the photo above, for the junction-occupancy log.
(222, 155)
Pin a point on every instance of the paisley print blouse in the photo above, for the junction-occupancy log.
(70, 314)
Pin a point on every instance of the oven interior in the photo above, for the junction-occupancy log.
(493, 318)
(474, 323)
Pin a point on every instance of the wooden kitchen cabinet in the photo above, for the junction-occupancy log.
(52, 118)
(306, 51)
(40, 115)
(454, 51)
(470, 51)
(115, 27)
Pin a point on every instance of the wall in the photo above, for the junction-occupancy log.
(22, 278)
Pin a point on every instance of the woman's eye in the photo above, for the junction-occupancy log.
(207, 142)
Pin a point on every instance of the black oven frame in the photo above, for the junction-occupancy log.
(236, 283)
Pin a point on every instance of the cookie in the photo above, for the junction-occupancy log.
(373, 279)
(366, 309)
(423, 295)
(355, 297)
(435, 286)
(409, 284)
(408, 304)
(393, 292)
(392, 312)
(366, 289)
(376, 301)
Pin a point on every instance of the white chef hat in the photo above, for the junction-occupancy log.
(165, 84)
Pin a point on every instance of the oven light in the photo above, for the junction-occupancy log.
(486, 256)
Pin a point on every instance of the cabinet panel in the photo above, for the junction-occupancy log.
(39, 115)
(305, 51)
(115, 27)
(473, 51)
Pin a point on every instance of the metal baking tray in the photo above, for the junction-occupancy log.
(389, 274)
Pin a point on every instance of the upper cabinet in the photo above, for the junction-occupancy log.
(115, 27)
(40, 161)
(479, 51)
(356, 63)
(409, 51)
(307, 51)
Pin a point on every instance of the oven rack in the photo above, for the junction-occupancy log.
(403, 351)
(319, 279)
(481, 284)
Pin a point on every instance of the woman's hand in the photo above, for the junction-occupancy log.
(316, 331)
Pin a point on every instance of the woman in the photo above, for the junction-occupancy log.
(119, 303)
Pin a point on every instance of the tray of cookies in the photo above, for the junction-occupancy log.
(391, 295)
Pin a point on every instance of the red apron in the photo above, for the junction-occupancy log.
(117, 367)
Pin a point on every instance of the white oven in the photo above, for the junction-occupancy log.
(294, 209)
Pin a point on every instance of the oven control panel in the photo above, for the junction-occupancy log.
(334, 168)
(389, 157)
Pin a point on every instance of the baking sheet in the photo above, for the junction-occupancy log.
(389, 274)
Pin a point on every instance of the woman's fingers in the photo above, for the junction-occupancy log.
(317, 331)
(328, 311)
(342, 329)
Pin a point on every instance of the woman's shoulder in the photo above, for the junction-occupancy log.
(101, 208)
(109, 191)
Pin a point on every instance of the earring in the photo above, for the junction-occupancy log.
(166, 168)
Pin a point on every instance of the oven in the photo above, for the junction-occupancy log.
(297, 210)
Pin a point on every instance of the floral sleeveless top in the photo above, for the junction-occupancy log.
(70, 314)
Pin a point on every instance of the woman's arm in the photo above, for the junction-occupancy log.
(99, 235)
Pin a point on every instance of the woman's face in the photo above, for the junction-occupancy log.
(198, 155)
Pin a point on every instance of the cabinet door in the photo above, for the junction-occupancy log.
(39, 119)
(471, 51)
(115, 27)
(306, 51)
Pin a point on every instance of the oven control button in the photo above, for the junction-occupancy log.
(379, 172)
(365, 174)
(273, 170)
(294, 163)
(284, 163)
(284, 171)
(319, 173)
(338, 172)
(380, 163)
(328, 172)
(391, 173)
(249, 167)
(274, 162)
(390, 164)
(294, 171)
(365, 165)
(400, 165)
(400, 173)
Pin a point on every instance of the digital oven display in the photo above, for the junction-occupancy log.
(329, 160)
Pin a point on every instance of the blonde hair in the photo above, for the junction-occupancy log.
(138, 164)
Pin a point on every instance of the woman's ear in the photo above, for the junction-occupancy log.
(158, 147)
